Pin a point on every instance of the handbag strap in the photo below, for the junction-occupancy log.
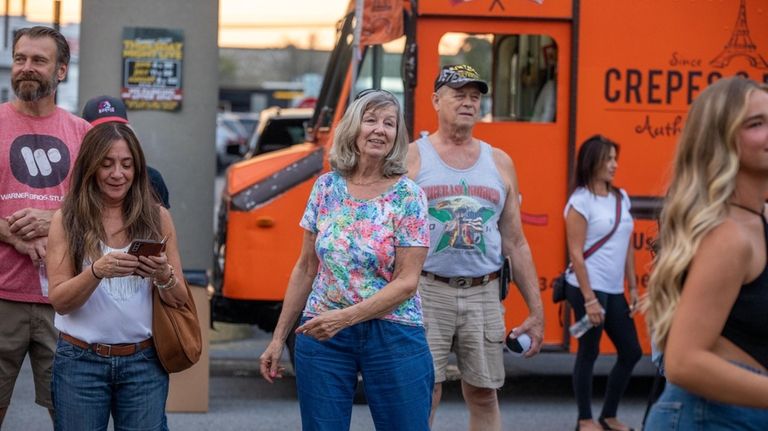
(591, 250)
(605, 239)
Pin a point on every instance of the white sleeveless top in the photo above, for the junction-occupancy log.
(118, 311)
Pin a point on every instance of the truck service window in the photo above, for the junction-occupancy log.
(520, 68)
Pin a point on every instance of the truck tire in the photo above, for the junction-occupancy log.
(219, 247)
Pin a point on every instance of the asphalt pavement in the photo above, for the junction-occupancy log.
(537, 396)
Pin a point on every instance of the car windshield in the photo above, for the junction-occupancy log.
(249, 124)
(235, 126)
(280, 133)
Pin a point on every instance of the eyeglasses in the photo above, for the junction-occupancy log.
(373, 90)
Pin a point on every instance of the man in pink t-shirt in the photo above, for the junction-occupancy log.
(38, 146)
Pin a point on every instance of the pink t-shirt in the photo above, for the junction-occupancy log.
(36, 157)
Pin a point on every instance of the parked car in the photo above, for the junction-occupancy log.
(248, 120)
(231, 138)
(278, 128)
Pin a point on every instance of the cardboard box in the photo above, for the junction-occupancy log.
(188, 390)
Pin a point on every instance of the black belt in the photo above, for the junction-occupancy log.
(102, 349)
(462, 282)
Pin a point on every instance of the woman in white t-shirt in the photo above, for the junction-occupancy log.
(595, 287)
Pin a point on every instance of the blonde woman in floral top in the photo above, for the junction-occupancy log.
(365, 240)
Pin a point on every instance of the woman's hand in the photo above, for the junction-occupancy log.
(595, 311)
(156, 267)
(324, 326)
(115, 264)
(269, 361)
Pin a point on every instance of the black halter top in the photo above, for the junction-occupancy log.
(747, 324)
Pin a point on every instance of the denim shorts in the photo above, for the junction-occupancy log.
(678, 409)
(87, 388)
(396, 366)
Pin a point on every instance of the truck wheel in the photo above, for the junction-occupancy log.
(219, 247)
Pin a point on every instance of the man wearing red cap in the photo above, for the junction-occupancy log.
(38, 146)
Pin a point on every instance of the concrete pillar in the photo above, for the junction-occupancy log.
(179, 144)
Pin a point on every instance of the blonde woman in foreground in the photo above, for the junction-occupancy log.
(708, 296)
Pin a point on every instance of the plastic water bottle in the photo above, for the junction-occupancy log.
(43, 275)
(581, 327)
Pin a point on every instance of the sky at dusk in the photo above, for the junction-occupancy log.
(242, 23)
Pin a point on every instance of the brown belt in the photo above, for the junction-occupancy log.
(462, 282)
(108, 349)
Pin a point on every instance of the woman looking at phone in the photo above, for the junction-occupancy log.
(105, 361)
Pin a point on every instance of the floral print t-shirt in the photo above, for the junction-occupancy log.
(356, 242)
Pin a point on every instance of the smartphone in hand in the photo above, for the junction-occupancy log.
(147, 247)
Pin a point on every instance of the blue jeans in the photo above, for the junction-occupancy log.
(397, 370)
(678, 409)
(87, 388)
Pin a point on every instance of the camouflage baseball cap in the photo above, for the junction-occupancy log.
(459, 75)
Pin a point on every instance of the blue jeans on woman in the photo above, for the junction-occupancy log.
(397, 370)
(87, 387)
(678, 409)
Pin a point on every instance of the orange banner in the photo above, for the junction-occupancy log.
(382, 21)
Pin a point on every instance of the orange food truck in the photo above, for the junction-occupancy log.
(559, 71)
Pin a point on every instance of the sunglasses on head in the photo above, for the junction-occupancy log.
(371, 91)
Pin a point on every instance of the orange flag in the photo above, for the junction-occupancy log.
(382, 21)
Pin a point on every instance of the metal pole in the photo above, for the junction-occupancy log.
(57, 27)
(356, 55)
(57, 15)
(377, 69)
(7, 23)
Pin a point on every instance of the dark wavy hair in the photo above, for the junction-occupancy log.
(82, 207)
(594, 152)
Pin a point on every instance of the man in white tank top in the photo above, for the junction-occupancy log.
(474, 219)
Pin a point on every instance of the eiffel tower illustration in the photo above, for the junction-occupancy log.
(740, 44)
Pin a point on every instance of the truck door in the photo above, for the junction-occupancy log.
(526, 113)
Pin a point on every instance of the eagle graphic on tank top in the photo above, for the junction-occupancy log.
(463, 218)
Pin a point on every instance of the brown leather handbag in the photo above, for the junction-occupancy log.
(176, 333)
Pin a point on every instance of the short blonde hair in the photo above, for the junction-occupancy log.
(344, 155)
